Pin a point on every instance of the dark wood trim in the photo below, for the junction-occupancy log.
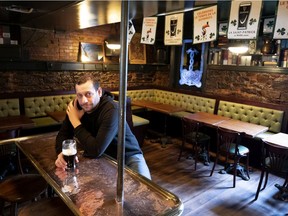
(255, 69)
(75, 66)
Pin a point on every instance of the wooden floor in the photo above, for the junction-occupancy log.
(204, 195)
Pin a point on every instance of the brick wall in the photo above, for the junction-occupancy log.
(260, 87)
(44, 45)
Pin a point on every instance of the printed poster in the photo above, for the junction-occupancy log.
(244, 19)
(149, 30)
(205, 25)
(281, 25)
(173, 29)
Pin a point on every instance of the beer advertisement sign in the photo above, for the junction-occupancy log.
(173, 29)
(281, 26)
(149, 30)
(205, 25)
(244, 19)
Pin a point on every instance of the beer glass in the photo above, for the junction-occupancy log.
(69, 151)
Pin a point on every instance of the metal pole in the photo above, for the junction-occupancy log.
(124, 24)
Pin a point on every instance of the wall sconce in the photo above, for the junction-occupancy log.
(113, 42)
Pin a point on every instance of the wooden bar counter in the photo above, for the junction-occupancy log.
(91, 188)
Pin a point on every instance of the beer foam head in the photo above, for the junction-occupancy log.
(70, 151)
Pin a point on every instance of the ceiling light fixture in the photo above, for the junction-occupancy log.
(19, 9)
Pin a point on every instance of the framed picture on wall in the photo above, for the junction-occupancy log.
(90, 52)
(137, 51)
(268, 25)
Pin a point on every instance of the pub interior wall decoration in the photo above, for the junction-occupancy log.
(191, 67)
(268, 25)
(244, 19)
(137, 51)
(281, 25)
(223, 27)
(173, 29)
(90, 52)
(205, 25)
(149, 30)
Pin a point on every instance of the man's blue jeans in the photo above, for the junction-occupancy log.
(137, 163)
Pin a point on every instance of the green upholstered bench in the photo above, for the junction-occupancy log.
(270, 118)
(36, 108)
(9, 107)
(190, 103)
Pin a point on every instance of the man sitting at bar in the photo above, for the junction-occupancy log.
(92, 119)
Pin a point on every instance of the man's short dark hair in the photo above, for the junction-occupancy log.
(83, 79)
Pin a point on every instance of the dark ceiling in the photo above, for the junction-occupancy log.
(72, 15)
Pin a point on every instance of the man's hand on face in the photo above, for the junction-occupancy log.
(74, 113)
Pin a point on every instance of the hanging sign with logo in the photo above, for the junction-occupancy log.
(281, 26)
(173, 29)
(205, 25)
(149, 30)
(131, 31)
(244, 19)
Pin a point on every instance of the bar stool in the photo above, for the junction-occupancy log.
(21, 187)
(46, 207)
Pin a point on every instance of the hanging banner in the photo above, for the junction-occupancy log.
(149, 30)
(131, 31)
(244, 19)
(205, 25)
(173, 29)
(281, 25)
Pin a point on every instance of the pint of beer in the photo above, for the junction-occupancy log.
(69, 151)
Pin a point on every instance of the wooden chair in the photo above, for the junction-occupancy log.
(20, 187)
(228, 145)
(46, 207)
(274, 160)
(200, 141)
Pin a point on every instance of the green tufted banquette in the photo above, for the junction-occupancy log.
(270, 118)
(9, 107)
(190, 103)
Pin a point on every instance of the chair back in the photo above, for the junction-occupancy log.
(227, 138)
(190, 129)
(275, 157)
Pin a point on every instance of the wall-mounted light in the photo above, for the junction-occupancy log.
(113, 43)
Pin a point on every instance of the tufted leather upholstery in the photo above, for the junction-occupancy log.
(257, 115)
(190, 103)
(9, 107)
(38, 106)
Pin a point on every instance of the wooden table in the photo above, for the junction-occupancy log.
(166, 109)
(15, 122)
(58, 116)
(91, 189)
(240, 126)
(278, 139)
(159, 107)
(207, 118)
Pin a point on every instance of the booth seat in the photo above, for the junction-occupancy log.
(9, 107)
(36, 108)
(270, 118)
(190, 103)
